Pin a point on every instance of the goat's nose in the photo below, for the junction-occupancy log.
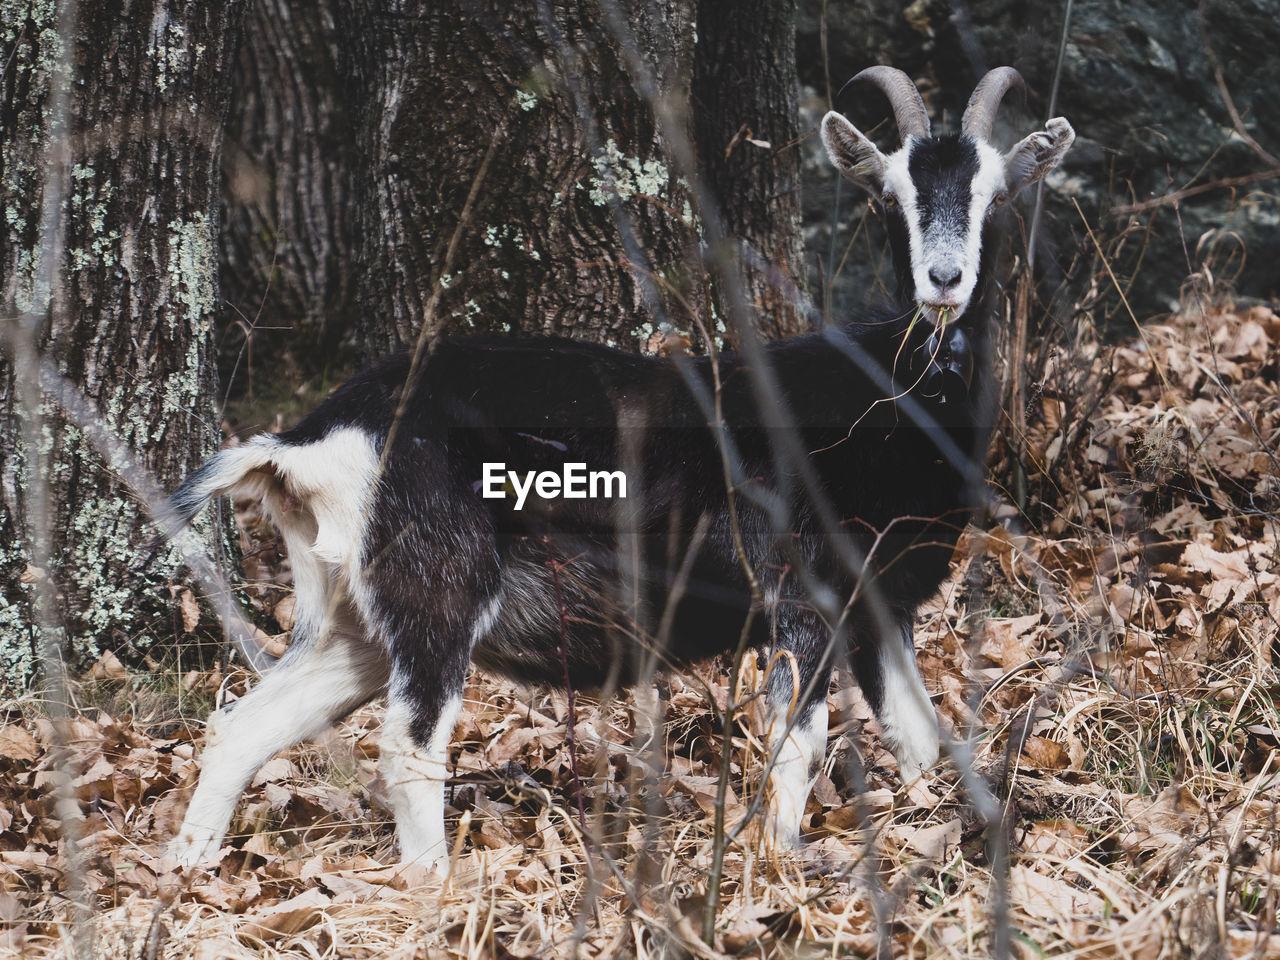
(944, 278)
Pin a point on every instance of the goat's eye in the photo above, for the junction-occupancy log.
(999, 199)
(889, 201)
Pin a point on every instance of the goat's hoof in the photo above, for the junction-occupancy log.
(780, 837)
(828, 859)
(910, 772)
(425, 865)
(914, 762)
(194, 846)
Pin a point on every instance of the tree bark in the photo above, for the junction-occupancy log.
(581, 224)
(745, 90)
(496, 166)
(128, 316)
(286, 240)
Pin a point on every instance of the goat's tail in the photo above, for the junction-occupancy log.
(243, 467)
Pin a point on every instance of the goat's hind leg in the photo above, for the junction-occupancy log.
(430, 652)
(430, 636)
(426, 525)
(414, 763)
(316, 683)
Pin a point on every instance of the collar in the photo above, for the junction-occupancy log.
(947, 357)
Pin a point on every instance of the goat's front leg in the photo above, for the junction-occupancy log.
(891, 683)
(795, 721)
(798, 756)
(318, 682)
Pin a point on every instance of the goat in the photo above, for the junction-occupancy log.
(409, 566)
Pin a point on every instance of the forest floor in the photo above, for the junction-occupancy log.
(1125, 636)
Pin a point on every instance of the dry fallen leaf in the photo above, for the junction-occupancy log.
(1045, 754)
(931, 841)
(284, 612)
(17, 744)
(287, 917)
(108, 667)
(1011, 642)
(1049, 897)
(189, 607)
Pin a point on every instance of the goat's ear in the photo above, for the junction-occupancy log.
(1033, 157)
(854, 155)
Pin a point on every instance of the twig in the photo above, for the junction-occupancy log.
(24, 337)
(1237, 121)
(249, 327)
(1034, 232)
(1123, 299)
(121, 461)
(554, 566)
(1025, 292)
(1124, 209)
(719, 841)
(425, 344)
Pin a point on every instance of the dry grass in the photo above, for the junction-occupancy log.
(1131, 639)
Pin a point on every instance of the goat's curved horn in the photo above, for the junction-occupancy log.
(908, 106)
(981, 111)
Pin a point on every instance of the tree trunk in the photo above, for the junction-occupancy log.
(287, 237)
(580, 224)
(128, 316)
(745, 109)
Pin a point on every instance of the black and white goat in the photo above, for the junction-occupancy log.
(406, 573)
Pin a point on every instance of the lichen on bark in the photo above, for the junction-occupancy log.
(127, 319)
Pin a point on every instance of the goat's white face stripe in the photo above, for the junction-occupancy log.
(899, 185)
(987, 183)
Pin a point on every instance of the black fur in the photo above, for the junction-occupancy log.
(943, 170)
(437, 554)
